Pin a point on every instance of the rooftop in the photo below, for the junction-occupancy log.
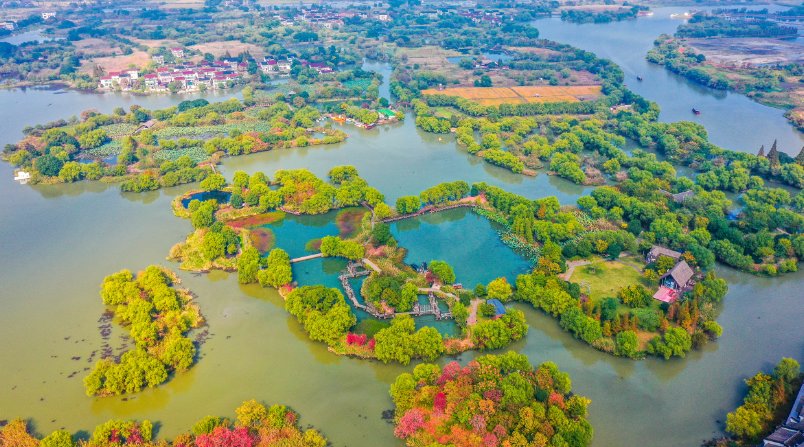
(657, 251)
(681, 273)
(499, 309)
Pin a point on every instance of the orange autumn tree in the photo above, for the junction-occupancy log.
(495, 400)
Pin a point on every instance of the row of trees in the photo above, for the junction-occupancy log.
(254, 425)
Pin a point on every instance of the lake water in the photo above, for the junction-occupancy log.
(35, 35)
(733, 121)
(58, 242)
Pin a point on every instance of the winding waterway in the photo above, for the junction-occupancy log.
(58, 242)
(733, 120)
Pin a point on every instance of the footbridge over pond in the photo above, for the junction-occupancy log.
(306, 258)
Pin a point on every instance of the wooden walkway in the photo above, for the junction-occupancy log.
(430, 210)
(356, 270)
(306, 258)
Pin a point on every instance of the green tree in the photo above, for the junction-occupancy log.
(634, 295)
(248, 265)
(59, 438)
(500, 289)
(70, 172)
(442, 271)
(277, 272)
(745, 423)
(214, 182)
(408, 204)
(626, 344)
(48, 165)
(787, 369)
(203, 216)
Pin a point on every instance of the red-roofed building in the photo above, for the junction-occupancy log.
(665, 295)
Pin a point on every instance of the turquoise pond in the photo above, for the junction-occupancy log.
(325, 272)
(294, 232)
(475, 251)
(465, 240)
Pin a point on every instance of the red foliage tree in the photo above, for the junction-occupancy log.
(411, 421)
(556, 399)
(226, 437)
(440, 402)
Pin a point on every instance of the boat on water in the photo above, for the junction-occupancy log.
(639, 78)
(22, 176)
(683, 15)
(696, 111)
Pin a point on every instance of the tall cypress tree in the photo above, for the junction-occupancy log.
(773, 155)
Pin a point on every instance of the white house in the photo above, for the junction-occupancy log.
(48, 15)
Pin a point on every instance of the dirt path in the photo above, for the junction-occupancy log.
(371, 265)
(571, 268)
(472, 319)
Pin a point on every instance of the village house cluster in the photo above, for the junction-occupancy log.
(186, 77)
(677, 280)
(334, 19)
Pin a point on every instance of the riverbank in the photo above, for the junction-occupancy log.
(722, 64)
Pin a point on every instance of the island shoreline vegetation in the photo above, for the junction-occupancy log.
(771, 84)
(627, 322)
(765, 407)
(549, 107)
(254, 425)
(158, 316)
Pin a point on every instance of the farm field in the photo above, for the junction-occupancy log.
(233, 47)
(137, 59)
(518, 95)
(737, 52)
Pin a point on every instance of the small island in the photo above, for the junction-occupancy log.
(493, 400)
(157, 316)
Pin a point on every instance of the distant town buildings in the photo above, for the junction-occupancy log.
(186, 77)
(271, 66)
(490, 18)
(8, 25)
(178, 53)
(48, 15)
(318, 66)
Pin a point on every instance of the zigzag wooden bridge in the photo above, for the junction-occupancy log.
(357, 270)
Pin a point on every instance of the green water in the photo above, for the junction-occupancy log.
(58, 242)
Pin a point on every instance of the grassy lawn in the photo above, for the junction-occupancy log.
(606, 278)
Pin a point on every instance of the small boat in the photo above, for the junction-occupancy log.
(696, 111)
(22, 177)
(639, 78)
